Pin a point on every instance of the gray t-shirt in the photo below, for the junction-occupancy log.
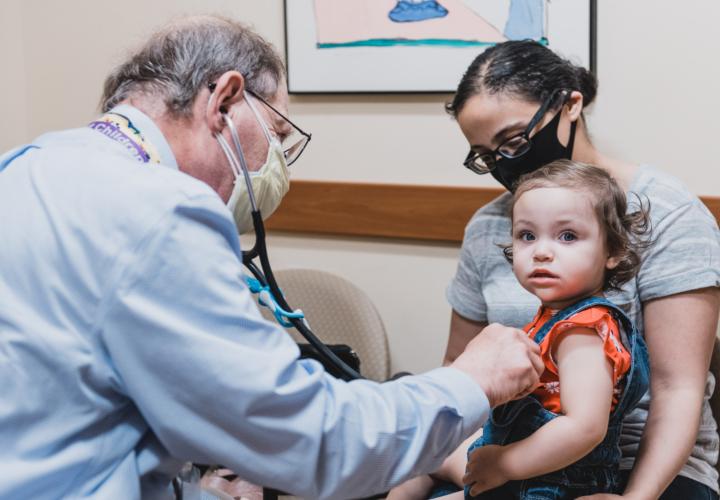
(685, 256)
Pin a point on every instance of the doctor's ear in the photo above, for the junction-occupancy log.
(224, 92)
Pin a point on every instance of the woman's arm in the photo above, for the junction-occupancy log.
(586, 395)
(680, 332)
(462, 331)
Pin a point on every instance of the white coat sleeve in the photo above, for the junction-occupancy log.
(218, 384)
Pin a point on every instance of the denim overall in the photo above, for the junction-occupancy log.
(598, 471)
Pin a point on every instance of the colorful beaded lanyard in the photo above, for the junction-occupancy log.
(121, 130)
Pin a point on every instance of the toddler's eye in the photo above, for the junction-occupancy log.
(526, 236)
(568, 236)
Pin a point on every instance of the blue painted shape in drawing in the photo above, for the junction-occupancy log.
(405, 11)
(525, 20)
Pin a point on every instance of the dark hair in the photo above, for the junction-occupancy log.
(627, 235)
(524, 68)
(183, 58)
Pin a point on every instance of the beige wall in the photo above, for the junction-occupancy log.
(13, 89)
(658, 72)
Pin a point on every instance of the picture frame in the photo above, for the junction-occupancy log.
(355, 47)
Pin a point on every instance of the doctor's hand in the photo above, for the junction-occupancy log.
(503, 361)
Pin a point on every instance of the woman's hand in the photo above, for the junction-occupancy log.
(485, 469)
(226, 481)
(608, 496)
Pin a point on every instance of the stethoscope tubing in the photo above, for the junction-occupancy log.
(264, 273)
(267, 278)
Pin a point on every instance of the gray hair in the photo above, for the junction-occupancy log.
(180, 60)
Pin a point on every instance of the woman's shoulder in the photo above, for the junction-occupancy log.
(492, 218)
(665, 192)
(684, 253)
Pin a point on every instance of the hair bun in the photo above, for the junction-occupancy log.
(588, 85)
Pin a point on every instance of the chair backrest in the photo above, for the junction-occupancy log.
(338, 313)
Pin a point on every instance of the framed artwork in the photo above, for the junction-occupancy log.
(389, 46)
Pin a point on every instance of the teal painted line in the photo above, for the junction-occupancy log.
(390, 42)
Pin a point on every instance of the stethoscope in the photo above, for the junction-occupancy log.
(264, 283)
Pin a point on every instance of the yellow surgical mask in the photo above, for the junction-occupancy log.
(270, 182)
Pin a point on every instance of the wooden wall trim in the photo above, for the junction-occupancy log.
(437, 213)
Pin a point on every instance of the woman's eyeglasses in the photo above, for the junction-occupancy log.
(515, 146)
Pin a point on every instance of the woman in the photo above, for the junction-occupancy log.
(520, 106)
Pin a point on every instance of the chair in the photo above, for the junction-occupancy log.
(338, 313)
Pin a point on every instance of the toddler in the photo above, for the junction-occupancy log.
(572, 239)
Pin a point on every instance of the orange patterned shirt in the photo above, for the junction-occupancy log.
(597, 318)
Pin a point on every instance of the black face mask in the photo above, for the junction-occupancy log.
(544, 148)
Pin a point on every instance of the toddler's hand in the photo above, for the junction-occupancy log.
(485, 469)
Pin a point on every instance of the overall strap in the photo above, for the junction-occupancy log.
(575, 308)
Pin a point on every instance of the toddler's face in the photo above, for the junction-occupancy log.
(559, 251)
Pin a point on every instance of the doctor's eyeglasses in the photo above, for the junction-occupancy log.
(295, 143)
(515, 146)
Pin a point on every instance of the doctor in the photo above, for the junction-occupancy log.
(128, 341)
